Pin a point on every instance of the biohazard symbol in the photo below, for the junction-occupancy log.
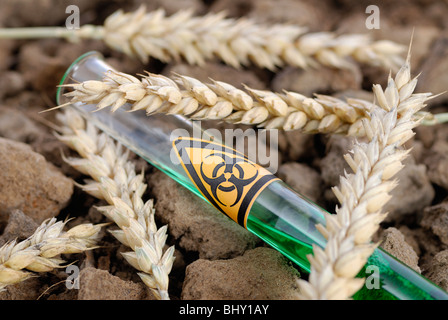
(224, 176)
(229, 174)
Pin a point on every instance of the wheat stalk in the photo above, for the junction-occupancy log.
(363, 193)
(235, 41)
(116, 182)
(219, 100)
(40, 252)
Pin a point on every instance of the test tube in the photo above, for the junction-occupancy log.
(258, 201)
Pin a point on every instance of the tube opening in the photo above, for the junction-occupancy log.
(72, 73)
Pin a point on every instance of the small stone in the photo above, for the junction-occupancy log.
(29, 289)
(426, 134)
(260, 274)
(43, 64)
(411, 237)
(301, 13)
(170, 6)
(19, 227)
(438, 271)
(179, 261)
(11, 83)
(29, 183)
(217, 72)
(434, 71)
(437, 162)
(15, 125)
(333, 164)
(233, 8)
(52, 148)
(94, 215)
(302, 179)
(413, 193)
(394, 243)
(95, 284)
(296, 145)
(40, 69)
(320, 80)
(354, 94)
(430, 245)
(417, 150)
(104, 262)
(435, 218)
(441, 132)
(16, 14)
(196, 224)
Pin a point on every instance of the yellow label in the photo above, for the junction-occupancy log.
(224, 176)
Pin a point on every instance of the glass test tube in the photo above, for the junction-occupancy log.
(278, 215)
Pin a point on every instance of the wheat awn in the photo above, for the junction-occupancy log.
(237, 42)
(40, 252)
(363, 193)
(115, 180)
(221, 101)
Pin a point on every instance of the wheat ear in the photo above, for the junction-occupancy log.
(219, 100)
(116, 182)
(235, 41)
(41, 251)
(363, 193)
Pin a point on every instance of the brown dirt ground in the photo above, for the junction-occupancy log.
(209, 249)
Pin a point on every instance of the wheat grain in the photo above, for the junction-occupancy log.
(239, 42)
(363, 193)
(40, 252)
(235, 41)
(115, 180)
(218, 100)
